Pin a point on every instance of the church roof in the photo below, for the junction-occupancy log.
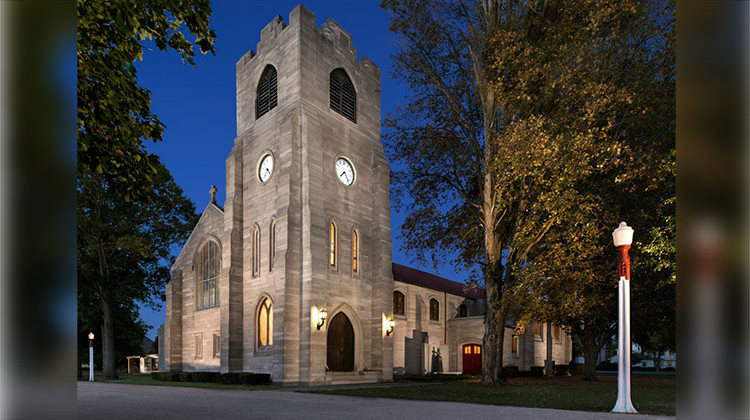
(416, 277)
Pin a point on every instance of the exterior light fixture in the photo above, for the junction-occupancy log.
(623, 238)
(91, 357)
(322, 314)
(389, 331)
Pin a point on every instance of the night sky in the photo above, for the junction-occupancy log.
(198, 105)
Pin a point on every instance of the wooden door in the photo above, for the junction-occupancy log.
(472, 358)
(340, 344)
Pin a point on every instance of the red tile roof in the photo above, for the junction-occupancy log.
(420, 278)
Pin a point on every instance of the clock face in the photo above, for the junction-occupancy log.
(265, 169)
(345, 171)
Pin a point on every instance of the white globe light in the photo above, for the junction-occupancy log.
(623, 235)
(91, 336)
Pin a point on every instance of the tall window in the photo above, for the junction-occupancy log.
(265, 96)
(332, 246)
(355, 251)
(217, 345)
(556, 332)
(198, 339)
(271, 244)
(256, 251)
(434, 310)
(514, 344)
(343, 96)
(398, 303)
(462, 311)
(207, 290)
(265, 323)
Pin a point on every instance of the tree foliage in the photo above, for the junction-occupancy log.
(114, 112)
(130, 210)
(526, 125)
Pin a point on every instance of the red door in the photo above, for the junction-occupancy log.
(472, 358)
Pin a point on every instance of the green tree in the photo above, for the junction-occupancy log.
(620, 80)
(114, 112)
(518, 125)
(130, 211)
(124, 247)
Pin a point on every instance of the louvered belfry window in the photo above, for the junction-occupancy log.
(266, 97)
(343, 96)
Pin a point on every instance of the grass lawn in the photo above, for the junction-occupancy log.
(147, 380)
(650, 394)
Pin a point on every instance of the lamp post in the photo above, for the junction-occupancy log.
(91, 357)
(623, 237)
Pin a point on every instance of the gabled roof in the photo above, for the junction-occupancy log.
(416, 277)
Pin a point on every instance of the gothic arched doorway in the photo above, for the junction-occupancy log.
(340, 344)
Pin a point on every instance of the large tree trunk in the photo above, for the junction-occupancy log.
(590, 354)
(108, 341)
(548, 370)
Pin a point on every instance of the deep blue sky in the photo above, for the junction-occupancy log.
(198, 105)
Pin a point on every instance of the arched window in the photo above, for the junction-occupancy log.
(256, 251)
(434, 310)
(462, 311)
(265, 96)
(398, 303)
(271, 244)
(333, 245)
(355, 251)
(265, 323)
(343, 96)
(207, 290)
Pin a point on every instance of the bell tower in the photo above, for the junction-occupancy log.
(307, 214)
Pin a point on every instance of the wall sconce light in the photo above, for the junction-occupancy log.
(389, 331)
(322, 314)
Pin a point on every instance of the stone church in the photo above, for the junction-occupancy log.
(293, 276)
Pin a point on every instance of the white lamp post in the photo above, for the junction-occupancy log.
(91, 357)
(623, 237)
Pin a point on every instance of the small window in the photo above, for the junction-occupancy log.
(217, 345)
(434, 310)
(198, 338)
(265, 323)
(256, 251)
(333, 245)
(462, 311)
(514, 344)
(538, 329)
(343, 95)
(265, 96)
(207, 290)
(271, 244)
(398, 303)
(355, 252)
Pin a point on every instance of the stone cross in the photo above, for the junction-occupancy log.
(213, 191)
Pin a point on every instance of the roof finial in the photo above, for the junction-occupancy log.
(213, 191)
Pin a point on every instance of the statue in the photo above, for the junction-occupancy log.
(437, 361)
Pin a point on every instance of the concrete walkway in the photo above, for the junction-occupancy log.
(117, 401)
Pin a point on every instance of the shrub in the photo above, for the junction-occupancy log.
(247, 378)
(510, 371)
(205, 377)
(172, 377)
(607, 366)
(229, 378)
(561, 370)
(575, 368)
(186, 377)
(537, 371)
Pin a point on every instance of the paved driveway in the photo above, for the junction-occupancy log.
(115, 401)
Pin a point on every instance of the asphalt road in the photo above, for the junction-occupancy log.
(116, 401)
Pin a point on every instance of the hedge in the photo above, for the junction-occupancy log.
(238, 378)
